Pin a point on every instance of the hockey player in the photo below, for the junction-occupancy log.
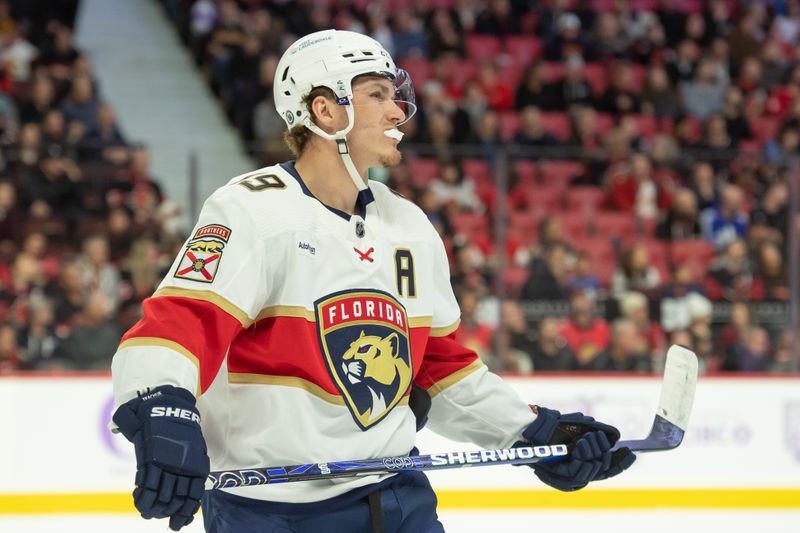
(310, 318)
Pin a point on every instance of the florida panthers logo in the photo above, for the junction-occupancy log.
(364, 337)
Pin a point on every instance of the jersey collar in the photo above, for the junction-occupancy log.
(363, 199)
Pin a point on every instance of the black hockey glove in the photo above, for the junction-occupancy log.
(171, 459)
(590, 444)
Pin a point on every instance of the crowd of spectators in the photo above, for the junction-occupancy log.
(85, 233)
(649, 148)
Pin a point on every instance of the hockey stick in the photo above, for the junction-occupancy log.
(672, 416)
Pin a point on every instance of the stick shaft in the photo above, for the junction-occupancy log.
(385, 465)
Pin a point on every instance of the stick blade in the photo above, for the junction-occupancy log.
(677, 391)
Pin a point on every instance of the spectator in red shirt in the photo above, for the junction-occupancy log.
(585, 333)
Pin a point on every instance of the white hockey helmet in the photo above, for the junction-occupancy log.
(332, 58)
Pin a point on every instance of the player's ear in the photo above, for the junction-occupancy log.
(325, 113)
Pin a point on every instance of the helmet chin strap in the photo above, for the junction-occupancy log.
(341, 145)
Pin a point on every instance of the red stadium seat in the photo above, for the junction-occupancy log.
(611, 224)
(596, 77)
(560, 171)
(514, 277)
(605, 123)
(423, 171)
(527, 172)
(647, 125)
(557, 124)
(459, 72)
(522, 49)
(469, 224)
(765, 128)
(419, 68)
(482, 47)
(585, 199)
(478, 170)
(695, 251)
(547, 198)
(574, 227)
(509, 124)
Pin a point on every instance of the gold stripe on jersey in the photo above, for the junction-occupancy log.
(210, 297)
(444, 331)
(298, 311)
(150, 342)
(291, 311)
(454, 378)
(292, 381)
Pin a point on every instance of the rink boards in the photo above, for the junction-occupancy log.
(742, 448)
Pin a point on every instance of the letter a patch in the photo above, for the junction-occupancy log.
(203, 254)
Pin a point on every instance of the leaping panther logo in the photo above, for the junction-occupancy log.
(374, 362)
(364, 339)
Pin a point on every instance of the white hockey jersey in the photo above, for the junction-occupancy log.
(301, 328)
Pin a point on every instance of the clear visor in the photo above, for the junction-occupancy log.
(404, 94)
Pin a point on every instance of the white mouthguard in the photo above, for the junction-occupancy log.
(394, 134)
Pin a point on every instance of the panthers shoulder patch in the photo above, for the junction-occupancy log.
(203, 254)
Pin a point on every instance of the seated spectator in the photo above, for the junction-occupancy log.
(9, 351)
(677, 298)
(717, 145)
(583, 277)
(499, 93)
(12, 218)
(635, 273)
(408, 36)
(771, 278)
(733, 111)
(572, 89)
(104, 141)
(566, 39)
(704, 185)
(680, 222)
(532, 132)
(550, 351)
(534, 89)
(97, 272)
(635, 307)
(40, 346)
(626, 352)
(68, 293)
(40, 101)
(753, 353)
(787, 146)
(454, 190)
(632, 187)
(704, 95)
(584, 134)
(94, 337)
(471, 333)
(81, 105)
(732, 333)
(659, 99)
(728, 220)
(498, 18)
(586, 334)
(445, 34)
(505, 356)
(548, 278)
(622, 96)
(731, 274)
(769, 220)
(523, 336)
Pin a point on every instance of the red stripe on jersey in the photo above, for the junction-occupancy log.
(201, 327)
(288, 346)
(443, 357)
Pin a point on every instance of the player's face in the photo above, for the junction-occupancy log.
(375, 113)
